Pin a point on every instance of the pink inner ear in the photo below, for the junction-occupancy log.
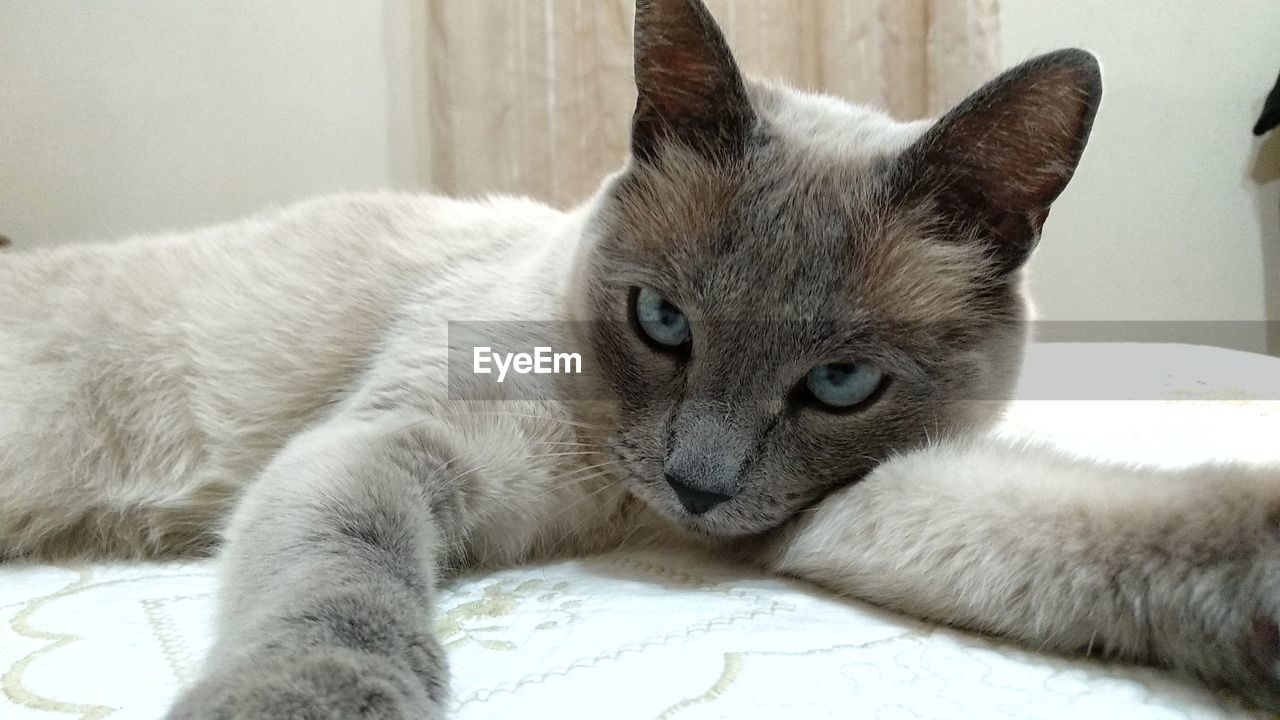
(1038, 152)
(683, 66)
(690, 89)
(680, 81)
(999, 159)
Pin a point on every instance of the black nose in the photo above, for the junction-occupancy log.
(694, 500)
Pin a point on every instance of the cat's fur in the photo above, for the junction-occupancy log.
(295, 367)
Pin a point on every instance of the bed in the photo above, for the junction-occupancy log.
(660, 636)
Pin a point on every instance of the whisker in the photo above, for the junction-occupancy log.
(431, 417)
(575, 481)
(626, 538)
(606, 463)
(500, 460)
(526, 416)
(565, 537)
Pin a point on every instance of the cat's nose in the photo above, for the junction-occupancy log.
(694, 500)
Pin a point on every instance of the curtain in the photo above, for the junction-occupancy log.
(534, 97)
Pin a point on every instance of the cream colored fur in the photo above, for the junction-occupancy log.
(144, 383)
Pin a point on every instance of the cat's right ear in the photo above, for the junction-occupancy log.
(690, 90)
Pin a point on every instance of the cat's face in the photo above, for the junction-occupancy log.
(785, 290)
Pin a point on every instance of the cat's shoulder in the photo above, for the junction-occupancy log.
(431, 210)
(354, 215)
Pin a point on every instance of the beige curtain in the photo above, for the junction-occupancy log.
(534, 96)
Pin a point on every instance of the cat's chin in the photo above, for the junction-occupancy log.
(705, 529)
(719, 531)
(711, 526)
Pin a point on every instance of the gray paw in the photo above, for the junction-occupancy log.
(326, 684)
(1231, 638)
(1258, 675)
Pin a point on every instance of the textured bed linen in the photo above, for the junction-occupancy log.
(662, 636)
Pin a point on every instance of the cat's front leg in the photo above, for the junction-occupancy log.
(1176, 568)
(328, 581)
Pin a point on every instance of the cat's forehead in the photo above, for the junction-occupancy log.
(803, 225)
(830, 129)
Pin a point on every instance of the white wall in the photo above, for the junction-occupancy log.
(1175, 211)
(133, 116)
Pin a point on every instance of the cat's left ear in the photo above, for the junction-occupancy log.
(994, 164)
(690, 90)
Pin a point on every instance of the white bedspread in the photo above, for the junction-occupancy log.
(661, 636)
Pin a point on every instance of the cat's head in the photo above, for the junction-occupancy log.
(786, 289)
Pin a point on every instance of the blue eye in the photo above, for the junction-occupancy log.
(661, 321)
(843, 385)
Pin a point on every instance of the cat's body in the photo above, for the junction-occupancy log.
(186, 362)
(852, 291)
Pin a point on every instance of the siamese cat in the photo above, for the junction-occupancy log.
(795, 316)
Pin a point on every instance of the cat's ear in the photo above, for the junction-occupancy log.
(689, 88)
(995, 163)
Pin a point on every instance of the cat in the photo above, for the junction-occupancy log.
(796, 317)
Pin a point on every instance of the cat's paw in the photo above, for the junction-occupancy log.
(327, 684)
(1232, 638)
(1258, 670)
